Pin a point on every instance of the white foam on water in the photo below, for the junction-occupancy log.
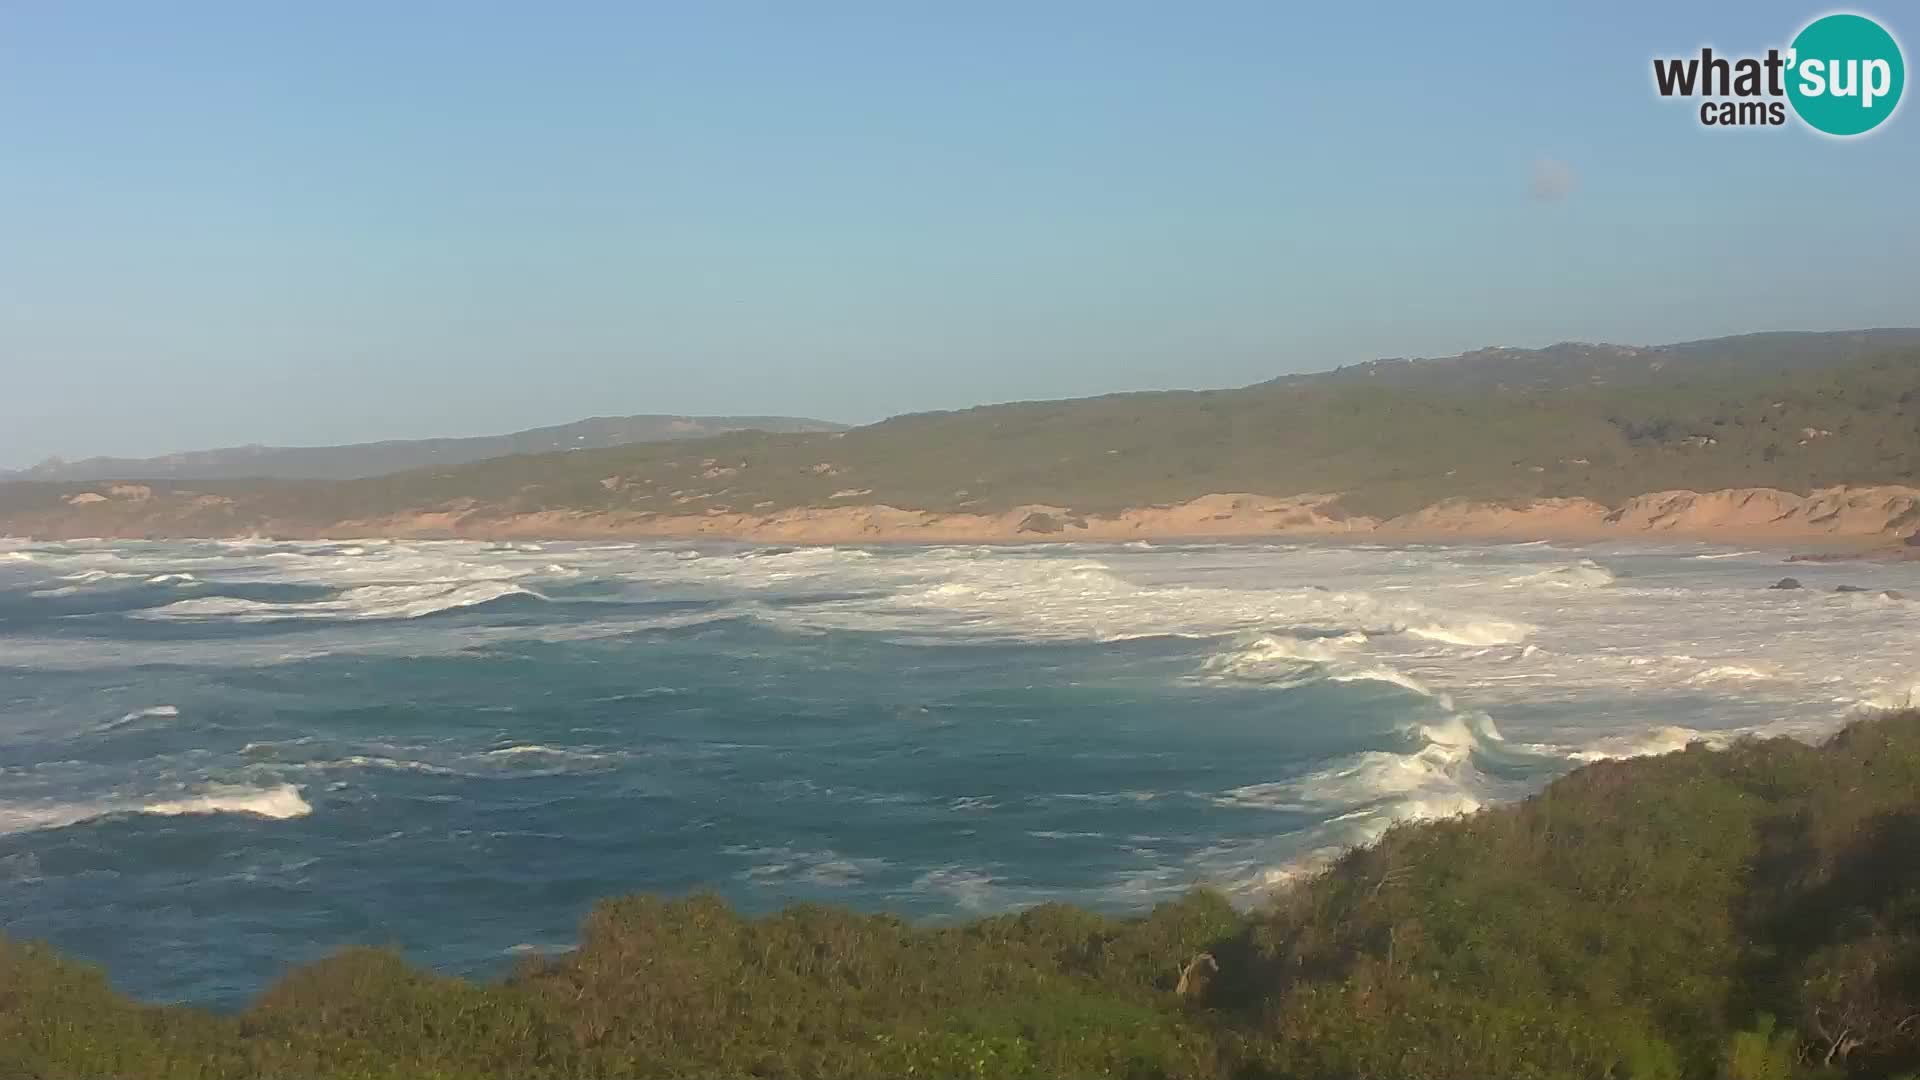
(375, 761)
(1034, 596)
(279, 802)
(1361, 796)
(534, 759)
(1473, 632)
(18, 817)
(787, 865)
(1108, 797)
(1282, 658)
(1284, 661)
(413, 601)
(1892, 698)
(1585, 574)
(1730, 673)
(1441, 618)
(547, 751)
(94, 577)
(363, 602)
(1392, 678)
(1438, 773)
(214, 607)
(970, 888)
(151, 712)
(1661, 740)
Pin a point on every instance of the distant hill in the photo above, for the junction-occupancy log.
(1571, 364)
(1796, 412)
(377, 458)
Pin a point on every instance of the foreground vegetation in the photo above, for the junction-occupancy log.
(1746, 914)
(1794, 412)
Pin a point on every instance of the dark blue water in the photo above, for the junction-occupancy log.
(458, 749)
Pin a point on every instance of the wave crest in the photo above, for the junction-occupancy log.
(1585, 574)
(1473, 633)
(364, 602)
(279, 802)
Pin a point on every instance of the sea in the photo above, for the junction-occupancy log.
(219, 760)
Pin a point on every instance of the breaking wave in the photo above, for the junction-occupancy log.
(279, 803)
(1473, 632)
(1283, 661)
(537, 750)
(1391, 677)
(1359, 797)
(363, 602)
(1585, 574)
(1661, 740)
(1280, 658)
(149, 713)
(1730, 673)
(1891, 699)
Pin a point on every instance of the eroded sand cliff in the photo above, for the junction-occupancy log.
(1856, 516)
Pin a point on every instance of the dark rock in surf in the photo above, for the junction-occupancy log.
(1786, 583)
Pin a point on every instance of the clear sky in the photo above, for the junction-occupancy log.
(240, 222)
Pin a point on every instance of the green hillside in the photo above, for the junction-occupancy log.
(1789, 411)
(1747, 914)
(1571, 364)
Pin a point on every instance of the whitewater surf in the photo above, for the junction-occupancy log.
(219, 758)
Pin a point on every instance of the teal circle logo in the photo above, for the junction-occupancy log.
(1845, 74)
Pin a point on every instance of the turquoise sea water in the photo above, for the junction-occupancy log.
(221, 759)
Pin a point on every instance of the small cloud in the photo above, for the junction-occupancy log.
(1552, 180)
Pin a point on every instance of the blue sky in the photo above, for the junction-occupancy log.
(237, 222)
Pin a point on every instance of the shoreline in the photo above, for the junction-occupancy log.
(1839, 522)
